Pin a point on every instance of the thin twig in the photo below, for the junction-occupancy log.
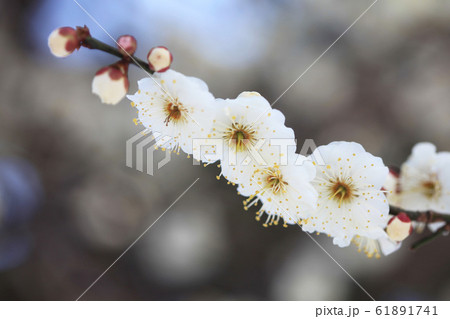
(93, 43)
(430, 238)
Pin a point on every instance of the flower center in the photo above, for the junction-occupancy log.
(173, 110)
(275, 182)
(239, 135)
(431, 188)
(342, 192)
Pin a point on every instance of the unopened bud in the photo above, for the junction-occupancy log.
(111, 83)
(159, 59)
(63, 41)
(399, 227)
(127, 44)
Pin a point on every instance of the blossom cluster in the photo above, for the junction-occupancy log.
(340, 190)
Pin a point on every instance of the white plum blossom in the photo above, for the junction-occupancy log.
(350, 200)
(425, 180)
(284, 189)
(244, 125)
(179, 108)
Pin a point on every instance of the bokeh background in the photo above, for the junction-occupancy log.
(70, 206)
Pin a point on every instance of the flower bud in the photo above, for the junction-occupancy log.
(63, 41)
(111, 82)
(127, 45)
(159, 59)
(399, 227)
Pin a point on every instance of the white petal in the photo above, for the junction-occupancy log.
(435, 226)
(388, 246)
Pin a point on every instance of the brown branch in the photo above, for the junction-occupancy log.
(92, 43)
(425, 217)
(428, 239)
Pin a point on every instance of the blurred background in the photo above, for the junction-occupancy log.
(69, 206)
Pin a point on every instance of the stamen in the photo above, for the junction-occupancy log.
(240, 135)
(342, 191)
(174, 112)
(369, 246)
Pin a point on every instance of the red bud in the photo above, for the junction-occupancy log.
(127, 45)
(159, 59)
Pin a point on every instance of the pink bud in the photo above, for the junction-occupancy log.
(111, 82)
(127, 44)
(399, 227)
(159, 59)
(63, 41)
